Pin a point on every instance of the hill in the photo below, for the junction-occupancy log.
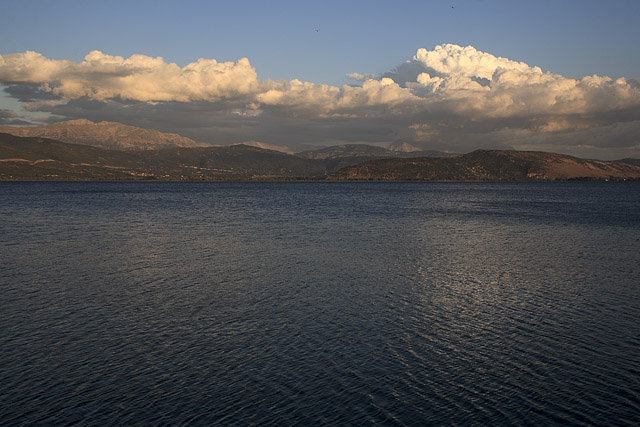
(629, 161)
(42, 158)
(490, 165)
(340, 156)
(106, 135)
(370, 151)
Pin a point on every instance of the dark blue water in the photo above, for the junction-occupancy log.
(319, 303)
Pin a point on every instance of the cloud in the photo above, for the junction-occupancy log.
(295, 93)
(451, 97)
(480, 85)
(467, 85)
(360, 77)
(383, 92)
(451, 59)
(137, 78)
(460, 80)
(9, 117)
(320, 101)
(28, 93)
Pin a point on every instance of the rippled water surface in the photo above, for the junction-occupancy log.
(310, 303)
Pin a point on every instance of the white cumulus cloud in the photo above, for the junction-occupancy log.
(461, 80)
(483, 85)
(137, 78)
(467, 61)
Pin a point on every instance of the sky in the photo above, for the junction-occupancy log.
(561, 76)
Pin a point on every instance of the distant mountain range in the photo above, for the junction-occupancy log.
(340, 156)
(46, 159)
(117, 136)
(42, 158)
(629, 161)
(106, 135)
(490, 165)
(370, 151)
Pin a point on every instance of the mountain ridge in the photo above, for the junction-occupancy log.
(42, 158)
(368, 151)
(106, 135)
(490, 165)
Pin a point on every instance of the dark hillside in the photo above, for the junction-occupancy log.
(489, 165)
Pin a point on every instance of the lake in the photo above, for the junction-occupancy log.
(127, 303)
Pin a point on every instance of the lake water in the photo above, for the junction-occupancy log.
(127, 303)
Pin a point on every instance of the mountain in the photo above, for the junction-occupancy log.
(630, 161)
(42, 158)
(346, 151)
(490, 165)
(231, 162)
(363, 150)
(340, 156)
(107, 135)
(265, 146)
